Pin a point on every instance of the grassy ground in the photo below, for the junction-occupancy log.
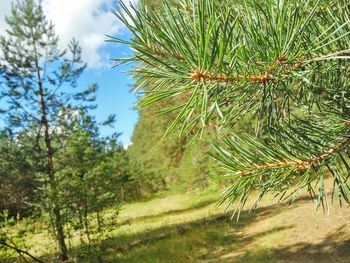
(273, 233)
(190, 228)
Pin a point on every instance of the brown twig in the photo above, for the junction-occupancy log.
(198, 74)
(20, 251)
(346, 123)
(299, 164)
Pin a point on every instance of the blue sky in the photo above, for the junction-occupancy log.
(114, 95)
(89, 21)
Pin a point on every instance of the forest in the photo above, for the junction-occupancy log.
(240, 153)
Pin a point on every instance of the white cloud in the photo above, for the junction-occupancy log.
(5, 8)
(126, 146)
(88, 21)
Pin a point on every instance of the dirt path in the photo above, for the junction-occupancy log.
(291, 234)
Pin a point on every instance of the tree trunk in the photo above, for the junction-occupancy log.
(56, 209)
(52, 182)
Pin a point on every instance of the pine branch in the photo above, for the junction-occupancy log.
(281, 65)
(198, 75)
(282, 165)
(222, 44)
(301, 165)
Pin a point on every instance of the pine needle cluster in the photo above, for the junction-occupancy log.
(282, 65)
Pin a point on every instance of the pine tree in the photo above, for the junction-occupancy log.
(18, 182)
(283, 66)
(89, 183)
(38, 89)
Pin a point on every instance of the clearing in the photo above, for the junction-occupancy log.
(190, 228)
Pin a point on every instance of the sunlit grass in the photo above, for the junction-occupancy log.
(135, 218)
(190, 227)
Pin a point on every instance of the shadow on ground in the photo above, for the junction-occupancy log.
(220, 239)
(334, 248)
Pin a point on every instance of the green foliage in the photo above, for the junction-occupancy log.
(30, 56)
(12, 245)
(281, 65)
(175, 163)
(297, 158)
(93, 174)
(53, 149)
(18, 182)
(38, 84)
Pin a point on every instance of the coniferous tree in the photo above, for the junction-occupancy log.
(18, 182)
(281, 65)
(89, 184)
(38, 91)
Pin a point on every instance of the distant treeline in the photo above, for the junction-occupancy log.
(176, 162)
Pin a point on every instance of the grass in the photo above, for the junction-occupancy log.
(190, 228)
(167, 204)
(135, 218)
